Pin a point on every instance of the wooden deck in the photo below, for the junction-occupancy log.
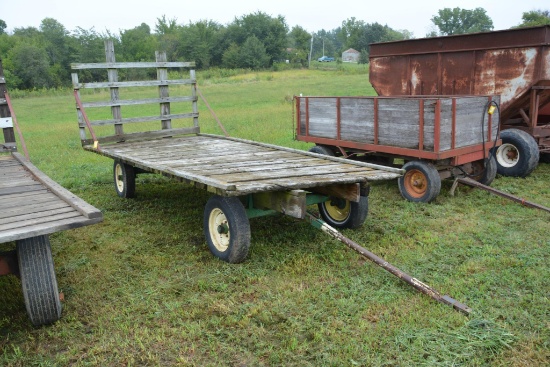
(234, 167)
(31, 204)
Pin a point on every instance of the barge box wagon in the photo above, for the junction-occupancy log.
(514, 64)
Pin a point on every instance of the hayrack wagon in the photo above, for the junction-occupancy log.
(436, 137)
(247, 179)
(32, 207)
(514, 64)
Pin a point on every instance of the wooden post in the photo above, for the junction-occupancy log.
(194, 94)
(9, 134)
(112, 74)
(162, 76)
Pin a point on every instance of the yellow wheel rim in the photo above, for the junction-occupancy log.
(338, 212)
(119, 181)
(219, 229)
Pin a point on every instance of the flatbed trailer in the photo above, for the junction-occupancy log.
(32, 206)
(512, 63)
(435, 137)
(248, 179)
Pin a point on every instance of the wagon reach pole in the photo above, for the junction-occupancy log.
(473, 183)
(424, 288)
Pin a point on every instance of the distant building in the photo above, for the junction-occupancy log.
(350, 55)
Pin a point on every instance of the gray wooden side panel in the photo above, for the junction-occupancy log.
(398, 122)
(357, 119)
(470, 112)
(322, 117)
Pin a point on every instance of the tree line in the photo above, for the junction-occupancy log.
(41, 57)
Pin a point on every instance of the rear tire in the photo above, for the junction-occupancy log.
(486, 173)
(227, 229)
(342, 213)
(38, 280)
(518, 155)
(420, 183)
(125, 179)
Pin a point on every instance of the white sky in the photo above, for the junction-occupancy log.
(113, 15)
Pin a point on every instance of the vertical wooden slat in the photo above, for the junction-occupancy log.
(534, 108)
(421, 124)
(162, 76)
(307, 116)
(193, 77)
(437, 126)
(453, 124)
(375, 121)
(298, 117)
(9, 134)
(113, 78)
(338, 119)
(74, 77)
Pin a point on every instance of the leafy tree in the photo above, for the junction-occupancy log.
(87, 46)
(272, 32)
(3, 26)
(199, 42)
(363, 57)
(299, 42)
(459, 21)
(253, 54)
(138, 44)
(535, 18)
(164, 26)
(30, 64)
(231, 56)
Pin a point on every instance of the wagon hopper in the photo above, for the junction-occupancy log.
(436, 137)
(247, 179)
(512, 63)
(32, 206)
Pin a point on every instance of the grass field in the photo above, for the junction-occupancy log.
(142, 289)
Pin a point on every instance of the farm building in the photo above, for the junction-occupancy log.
(350, 55)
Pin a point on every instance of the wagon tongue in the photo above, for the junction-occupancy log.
(422, 287)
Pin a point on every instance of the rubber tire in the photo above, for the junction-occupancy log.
(527, 149)
(39, 284)
(489, 172)
(356, 217)
(322, 149)
(125, 183)
(238, 228)
(429, 175)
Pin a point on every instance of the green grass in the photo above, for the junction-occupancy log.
(142, 289)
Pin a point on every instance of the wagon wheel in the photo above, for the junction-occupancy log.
(322, 149)
(342, 213)
(227, 229)
(518, 155)
(38, 280)
(125, 179)
(420, 183)
(485, 173)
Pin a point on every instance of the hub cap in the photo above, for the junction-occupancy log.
(218, 227)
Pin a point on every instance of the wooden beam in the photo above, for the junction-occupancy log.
(349, 192)
(291, 203)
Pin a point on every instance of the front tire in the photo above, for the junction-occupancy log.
(38, 280)
(518, 155)
(420, 183)
(322, 149)
(485, 174)
(227, 229)
(342, 213)
(125, 180)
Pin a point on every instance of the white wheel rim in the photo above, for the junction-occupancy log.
(218, 227)
(118, 178)
(507, 155)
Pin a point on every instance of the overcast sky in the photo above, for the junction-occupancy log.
(119, 15)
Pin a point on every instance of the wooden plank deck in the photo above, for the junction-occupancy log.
(234, 167)
(31, 204)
